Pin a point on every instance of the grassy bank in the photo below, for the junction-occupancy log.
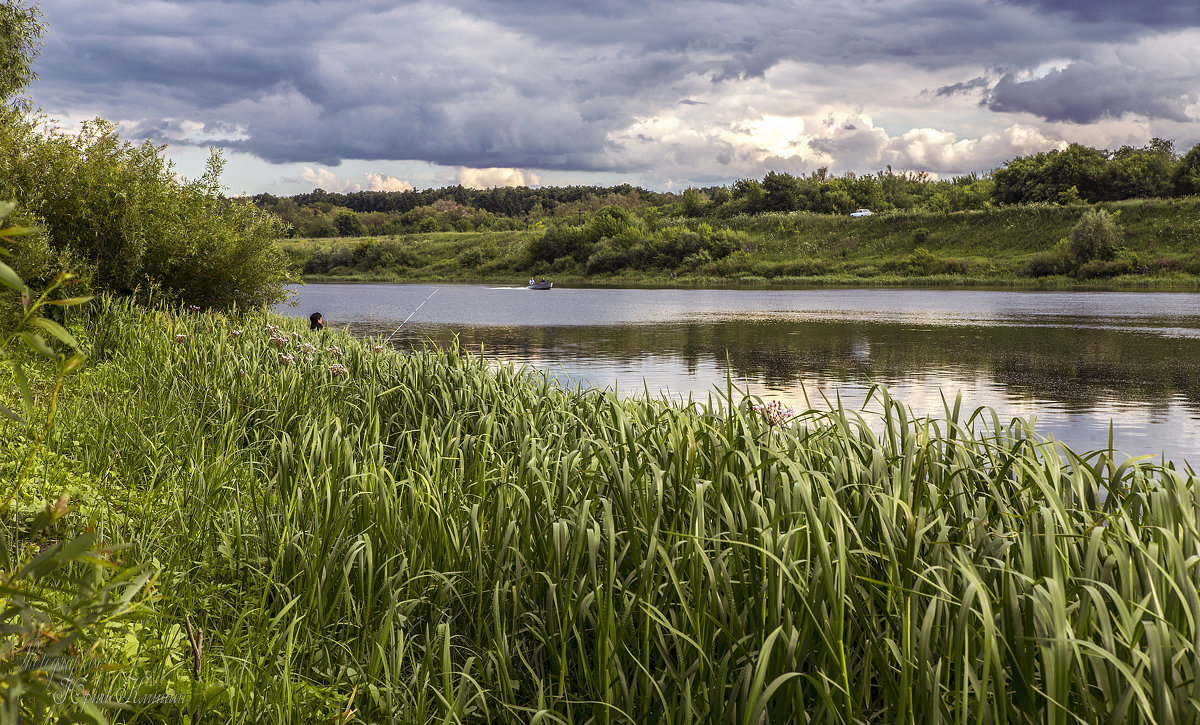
(423, 538)
(1009, 246)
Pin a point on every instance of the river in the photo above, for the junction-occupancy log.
(1076, 362)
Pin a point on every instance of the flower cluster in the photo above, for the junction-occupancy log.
(334, 351)
(287, 359)
(235, 334)
(337, 369)
(180, 337)
(775, 413)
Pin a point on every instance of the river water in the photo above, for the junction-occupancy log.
(1076, 362)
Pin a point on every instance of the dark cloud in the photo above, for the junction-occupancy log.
(964, 88)
(1085, 93)
(1163, 14)
(549, 84)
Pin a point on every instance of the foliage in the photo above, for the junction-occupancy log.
(1045, 264)
(20, 36)
(614, 239)
(1186, 177)
(430, 537)
(1096, 236)
(118, 208)
(1080, 173)
(61, 595)
(349, 225)
(1000, 246)
(1074, 175)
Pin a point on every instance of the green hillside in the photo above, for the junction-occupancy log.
(1013, 245)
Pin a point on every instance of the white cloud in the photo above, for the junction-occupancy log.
(493, 177)
(327, 180)
(383, 182)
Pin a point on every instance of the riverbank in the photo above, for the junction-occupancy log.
(368, 536)
(1020, 247)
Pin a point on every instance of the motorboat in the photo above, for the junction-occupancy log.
(539, 285)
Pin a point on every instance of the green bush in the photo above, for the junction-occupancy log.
(119, 209)
(1046, 264)
(1097, 268)
(1096, 236)
(921, 261)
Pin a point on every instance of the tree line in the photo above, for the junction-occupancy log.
(1077, 174)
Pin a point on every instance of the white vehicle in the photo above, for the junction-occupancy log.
(861, 212)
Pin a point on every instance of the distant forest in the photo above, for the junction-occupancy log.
(1075, 175)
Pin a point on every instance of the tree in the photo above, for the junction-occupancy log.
(782, 191)
(349, 225)
(1050, 176)
(693, 203)
(1185, 180)
(1142, 173)
(20, 41)
(1095, 236)
(749, 195)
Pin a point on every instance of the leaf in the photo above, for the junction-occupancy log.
(5, 411)
(10, 279)
(17, 232)
(37, 343)
(23, 385)
(72, 362)
(56, 330)
(70, 301)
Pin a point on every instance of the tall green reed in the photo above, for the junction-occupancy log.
(427, 537)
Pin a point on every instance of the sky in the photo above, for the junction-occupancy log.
(350, 95)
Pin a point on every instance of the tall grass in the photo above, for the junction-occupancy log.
(427, 538)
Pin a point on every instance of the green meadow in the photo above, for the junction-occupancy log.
(295, 526)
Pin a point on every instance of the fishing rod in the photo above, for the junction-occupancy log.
(406, 319)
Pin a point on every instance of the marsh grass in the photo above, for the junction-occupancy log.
(431, 538)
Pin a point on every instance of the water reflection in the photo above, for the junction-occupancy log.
(1078, 362)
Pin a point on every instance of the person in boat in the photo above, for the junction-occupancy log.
(531, 281)
(316, 322)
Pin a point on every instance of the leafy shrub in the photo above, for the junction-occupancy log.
(608, 257)
(1095, 236)
(921, 261)
(470, 258)
(60, 594)
(349, 225)
(955, 266)
(1047, 264)
(120, 209)
(1097, 268)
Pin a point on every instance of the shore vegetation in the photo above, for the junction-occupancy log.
(367, 536)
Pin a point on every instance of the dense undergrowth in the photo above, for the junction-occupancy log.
(366, 536)
(1023, 245)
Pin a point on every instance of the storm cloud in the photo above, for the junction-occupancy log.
(657, 90)
(1086, 92)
